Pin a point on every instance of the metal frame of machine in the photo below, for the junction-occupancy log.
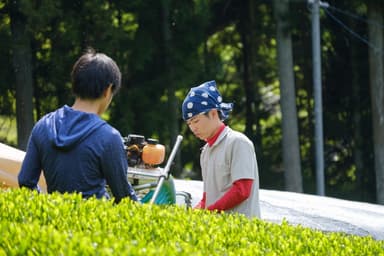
(157, 177)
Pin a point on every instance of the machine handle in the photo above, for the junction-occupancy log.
(165, 172)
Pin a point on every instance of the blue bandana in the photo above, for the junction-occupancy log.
(203, 98)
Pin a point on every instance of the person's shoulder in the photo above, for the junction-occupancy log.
(237, 137)
(45, 121)
(109, 132)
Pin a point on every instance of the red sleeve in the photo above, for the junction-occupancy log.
(201, 204)
(240, 191)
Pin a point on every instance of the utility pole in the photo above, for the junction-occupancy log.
(317, 94)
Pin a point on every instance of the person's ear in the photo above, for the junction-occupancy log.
(214, 112)
(108, 91)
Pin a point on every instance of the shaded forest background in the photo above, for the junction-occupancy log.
(165, 47)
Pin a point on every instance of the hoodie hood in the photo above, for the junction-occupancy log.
(68, 127)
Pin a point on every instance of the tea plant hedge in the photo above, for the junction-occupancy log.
(65, 224)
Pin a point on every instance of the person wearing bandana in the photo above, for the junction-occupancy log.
(228, 159)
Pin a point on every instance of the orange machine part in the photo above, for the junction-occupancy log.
(153, 154)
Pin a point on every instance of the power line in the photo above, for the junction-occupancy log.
(350, 30)
(355, 34)
(355, 16)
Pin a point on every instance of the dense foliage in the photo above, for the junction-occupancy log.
(165, 47)
(55, 224)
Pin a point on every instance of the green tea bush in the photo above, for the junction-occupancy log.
(65, 224)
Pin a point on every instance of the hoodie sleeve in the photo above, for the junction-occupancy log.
(30, 169)
(115, 167)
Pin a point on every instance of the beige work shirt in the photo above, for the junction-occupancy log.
(232, 157)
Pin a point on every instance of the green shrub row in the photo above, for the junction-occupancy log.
(65, 224)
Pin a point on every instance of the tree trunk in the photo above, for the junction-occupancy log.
(375, 33)
(248, 32)
(249, 73)
(357, 121)
(172, 99)
(291, 149)
(21, 59)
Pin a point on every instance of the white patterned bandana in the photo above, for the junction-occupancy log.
(203, 98)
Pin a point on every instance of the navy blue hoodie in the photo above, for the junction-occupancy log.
(77, 152)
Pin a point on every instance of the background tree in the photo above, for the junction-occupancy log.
(291, 149)
(22, 66)
(344, 30)
(375, 13)
(165, 47)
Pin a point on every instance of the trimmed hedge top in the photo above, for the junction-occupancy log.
(65, 224)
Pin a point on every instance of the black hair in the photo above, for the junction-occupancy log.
(218, 112)
(93, 73)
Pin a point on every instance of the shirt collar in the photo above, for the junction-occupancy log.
(212, 140)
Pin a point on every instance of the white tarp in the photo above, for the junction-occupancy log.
(10, 163)
(317, 212)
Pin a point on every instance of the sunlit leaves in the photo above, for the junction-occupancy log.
(126, 21)
(57, 224)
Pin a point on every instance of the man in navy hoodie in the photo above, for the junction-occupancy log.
(77, 151)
